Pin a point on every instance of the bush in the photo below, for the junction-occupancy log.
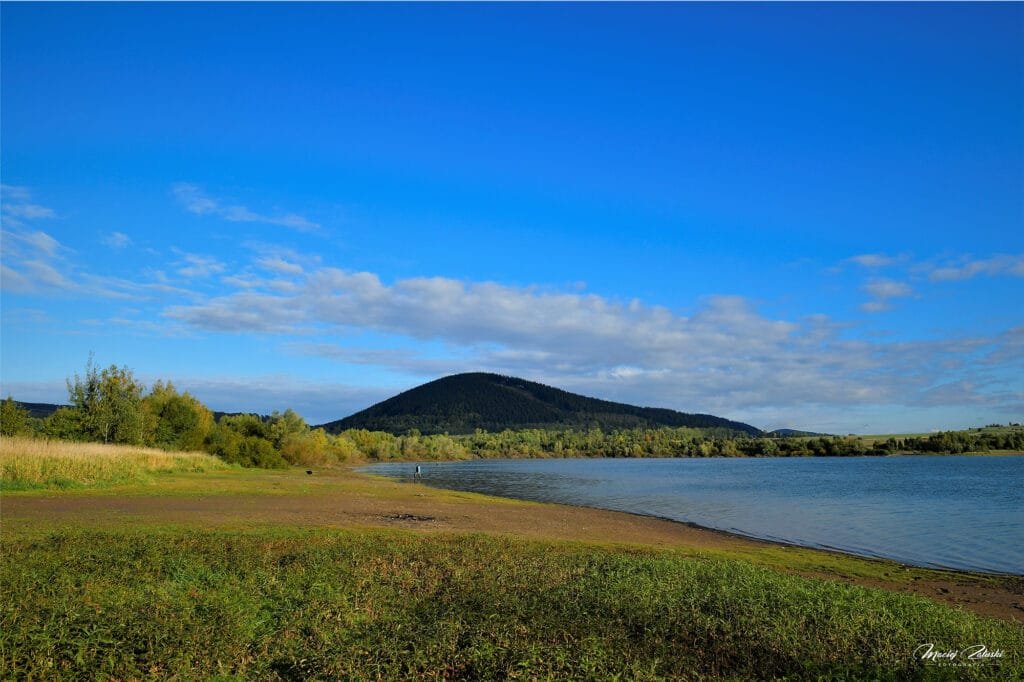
(65, 424)
(14, 419)
(256, 452)
(307, 448)
(223, 442)
(175, 421)
(246, 425)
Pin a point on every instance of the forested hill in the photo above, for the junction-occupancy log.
(44, 410)
(793, 433)
(463, 403)
(39, 410)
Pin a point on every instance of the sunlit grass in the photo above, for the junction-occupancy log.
(329, 604)
(132, 600)
(27, 463)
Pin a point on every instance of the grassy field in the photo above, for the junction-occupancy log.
(27, 463)
(289, 604)
(242, 574)
(1000, 430)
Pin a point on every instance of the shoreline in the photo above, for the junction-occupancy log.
(952, 571)
(348, 499)
(999, 595)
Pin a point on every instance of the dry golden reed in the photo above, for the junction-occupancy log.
(31, 463)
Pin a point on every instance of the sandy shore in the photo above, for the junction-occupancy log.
(351, 500)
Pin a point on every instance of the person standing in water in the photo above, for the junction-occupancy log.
(419, 472)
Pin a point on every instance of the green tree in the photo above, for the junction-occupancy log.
(246, 425)
(285, 426)
(223, 441)
(14, 419)
(110, 403)
(64, 424)
(307, 448)
(175, 421)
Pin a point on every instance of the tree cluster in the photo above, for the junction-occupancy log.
(111, 406)
(959, 442)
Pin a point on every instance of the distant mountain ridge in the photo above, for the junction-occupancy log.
(794, 433)
(38, 410)
(462, 403)
(44, 410)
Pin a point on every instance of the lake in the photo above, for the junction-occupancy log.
(941, 512)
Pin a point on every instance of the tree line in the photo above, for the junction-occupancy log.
(111, 406)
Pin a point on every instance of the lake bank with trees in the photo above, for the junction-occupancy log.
(111, 406)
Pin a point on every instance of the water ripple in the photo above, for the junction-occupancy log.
(950, 512)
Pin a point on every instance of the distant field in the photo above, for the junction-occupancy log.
(1001, 430)
(27, 463)
(870, 440)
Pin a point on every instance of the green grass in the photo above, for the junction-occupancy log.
(237, 481)
(161, 602)
(330, 482)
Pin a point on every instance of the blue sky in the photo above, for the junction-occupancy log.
(796, 215)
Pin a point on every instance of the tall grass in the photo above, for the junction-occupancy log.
(27, 463)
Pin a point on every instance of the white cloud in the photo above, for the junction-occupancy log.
(28, 211)
(117, 240)
(883, 290)
(887, 288)
(243, 281)
(17, 238)
(43, 273)
(13, 281)
(1002, 264)
(15, 193)
(279, 265)
(875, 306)
(43, 242)
(724, 356)
(872, 260)
(36, 263)
(196, 266)
(194, 200)
(32, 262)
(16, 206)
(15, 241)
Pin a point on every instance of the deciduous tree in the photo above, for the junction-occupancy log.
(109, 403)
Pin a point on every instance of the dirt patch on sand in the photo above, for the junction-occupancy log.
(414, 520)
(425, 510)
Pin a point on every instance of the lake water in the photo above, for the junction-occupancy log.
(949, 512)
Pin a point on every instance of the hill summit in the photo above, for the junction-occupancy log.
(462, 403)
